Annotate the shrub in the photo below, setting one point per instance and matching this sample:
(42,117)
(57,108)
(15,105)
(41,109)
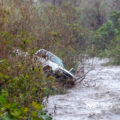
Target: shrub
(23,87)
(107,38)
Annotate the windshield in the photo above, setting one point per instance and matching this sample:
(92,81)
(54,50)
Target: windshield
(55,59)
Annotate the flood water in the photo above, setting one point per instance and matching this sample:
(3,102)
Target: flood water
(97,98)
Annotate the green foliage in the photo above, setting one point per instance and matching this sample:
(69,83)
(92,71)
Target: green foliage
(103,35)
(13,111)
(107,38)
(22,92)
(114,50)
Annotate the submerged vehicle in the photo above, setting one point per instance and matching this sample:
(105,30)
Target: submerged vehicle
(53,65)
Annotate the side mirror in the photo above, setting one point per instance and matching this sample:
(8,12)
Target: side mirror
(72,70)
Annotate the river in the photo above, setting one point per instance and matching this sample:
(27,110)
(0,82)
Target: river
(97,98)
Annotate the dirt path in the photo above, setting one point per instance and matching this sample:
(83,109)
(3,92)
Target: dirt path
(101,102)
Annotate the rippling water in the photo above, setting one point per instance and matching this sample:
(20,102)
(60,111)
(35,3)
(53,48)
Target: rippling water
(88,102)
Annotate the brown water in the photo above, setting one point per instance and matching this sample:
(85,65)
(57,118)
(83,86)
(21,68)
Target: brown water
(89,102)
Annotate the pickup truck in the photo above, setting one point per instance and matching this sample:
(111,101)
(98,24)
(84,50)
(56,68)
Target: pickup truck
(53,65)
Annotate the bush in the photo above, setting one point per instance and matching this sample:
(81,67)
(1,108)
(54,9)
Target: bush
(23,87)
(107,38)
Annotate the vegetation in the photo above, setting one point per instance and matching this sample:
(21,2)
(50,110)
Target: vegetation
(107,38)
(66,28)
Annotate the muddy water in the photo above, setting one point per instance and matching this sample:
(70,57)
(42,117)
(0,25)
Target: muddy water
(98,99)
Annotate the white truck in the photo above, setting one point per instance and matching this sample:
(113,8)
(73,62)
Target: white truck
(53,65)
